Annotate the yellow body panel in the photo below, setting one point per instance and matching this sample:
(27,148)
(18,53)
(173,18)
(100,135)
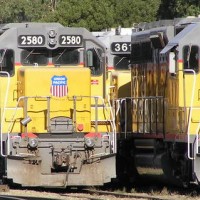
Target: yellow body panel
(8,105)
(189,99)
(119,88)
(121,83)
(181,96)
(37,82)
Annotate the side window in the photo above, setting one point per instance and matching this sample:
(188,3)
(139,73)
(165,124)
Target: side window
(7,61)
(94,61)
(191,58)
(33,57)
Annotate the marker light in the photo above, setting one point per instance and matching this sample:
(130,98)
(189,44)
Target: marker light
(33,142)
(89,142)
(80,127)
(52,33)
(52,41)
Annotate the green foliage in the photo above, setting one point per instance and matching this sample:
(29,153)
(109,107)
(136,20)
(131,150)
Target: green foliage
(22,10)
(96,15)
(178,8)
(128,12)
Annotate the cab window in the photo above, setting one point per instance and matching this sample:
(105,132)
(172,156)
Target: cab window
(94,61)
(121,63)
(191,58)
(7,61)
(34,57)
(66,56)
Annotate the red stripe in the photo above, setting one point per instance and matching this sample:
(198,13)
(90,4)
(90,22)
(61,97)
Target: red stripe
(59,90)
(110,68)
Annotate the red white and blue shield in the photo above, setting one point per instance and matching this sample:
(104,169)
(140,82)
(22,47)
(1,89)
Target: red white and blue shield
(59,86)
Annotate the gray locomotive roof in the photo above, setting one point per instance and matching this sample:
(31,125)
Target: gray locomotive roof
(167,22)
(28,25)
(10,32)
(156,24)
(179,37)
(145,35)
(42,26)
(108,37)
(32,26)
(112,32)
(188,20)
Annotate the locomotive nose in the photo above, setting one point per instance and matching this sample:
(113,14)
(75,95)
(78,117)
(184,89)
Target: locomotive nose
(57,98)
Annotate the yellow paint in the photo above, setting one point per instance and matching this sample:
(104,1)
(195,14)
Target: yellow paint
(36,82)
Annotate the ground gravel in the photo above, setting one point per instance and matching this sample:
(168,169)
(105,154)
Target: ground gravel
(47,195)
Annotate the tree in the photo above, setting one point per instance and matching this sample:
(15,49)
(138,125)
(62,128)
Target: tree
(96,15)
(128,12)
(178,8)
(22,10)
(93,15)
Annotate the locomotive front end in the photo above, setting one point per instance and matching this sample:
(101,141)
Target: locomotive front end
(55,127)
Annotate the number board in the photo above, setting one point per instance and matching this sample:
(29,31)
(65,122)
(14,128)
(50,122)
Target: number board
(121,47)
(31,40)
(71,40)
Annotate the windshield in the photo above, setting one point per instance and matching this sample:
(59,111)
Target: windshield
(61,56)
(34,56)
(121,63)
(65,56)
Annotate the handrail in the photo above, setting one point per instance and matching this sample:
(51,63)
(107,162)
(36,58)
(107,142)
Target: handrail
(110,112)
(191,109)
(3,114)
(112,121)
(14,114)
(197,136)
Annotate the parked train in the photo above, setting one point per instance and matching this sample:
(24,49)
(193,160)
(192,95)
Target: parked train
(67,117)
(57,127)
(118,43)
(165,103)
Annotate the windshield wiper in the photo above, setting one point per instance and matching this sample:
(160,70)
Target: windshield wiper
(120,60)
(61,55)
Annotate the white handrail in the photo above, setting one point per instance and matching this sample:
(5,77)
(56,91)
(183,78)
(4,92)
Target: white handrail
(3,114)
(190,113)
(197,137)
(111,122)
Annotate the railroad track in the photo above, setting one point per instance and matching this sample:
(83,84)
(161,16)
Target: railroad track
(100,195)
(127,195)
(86,194)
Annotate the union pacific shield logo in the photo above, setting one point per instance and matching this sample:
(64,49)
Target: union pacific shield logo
(59,86)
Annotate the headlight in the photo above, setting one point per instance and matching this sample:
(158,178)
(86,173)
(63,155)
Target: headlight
(89,142)
(33,142)
(52,33)
(52,41)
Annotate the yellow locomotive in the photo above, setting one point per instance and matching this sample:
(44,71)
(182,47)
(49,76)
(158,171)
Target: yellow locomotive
(118,43)
(57,128)
(164,138)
